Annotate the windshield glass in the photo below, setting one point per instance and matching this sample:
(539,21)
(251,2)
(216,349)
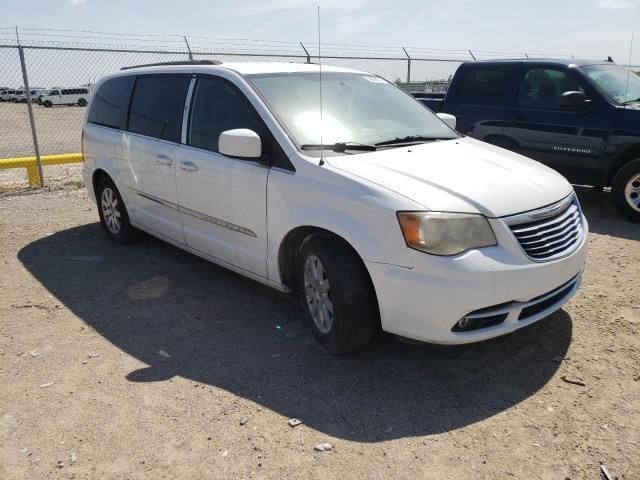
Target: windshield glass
(357,108)
(613,80)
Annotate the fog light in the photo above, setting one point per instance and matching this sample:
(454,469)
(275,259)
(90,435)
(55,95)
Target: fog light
(462,324)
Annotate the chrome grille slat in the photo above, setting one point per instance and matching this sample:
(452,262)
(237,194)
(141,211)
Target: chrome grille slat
(549,238)
(570,227)
(550,243)
(550,251)
(528,227)
(572,218)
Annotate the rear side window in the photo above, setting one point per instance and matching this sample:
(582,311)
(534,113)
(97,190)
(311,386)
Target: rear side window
(110,103)
(218,106)
(483,86)
(157,106)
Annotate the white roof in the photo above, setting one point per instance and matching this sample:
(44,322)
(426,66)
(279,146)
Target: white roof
(243,68)
(248,68)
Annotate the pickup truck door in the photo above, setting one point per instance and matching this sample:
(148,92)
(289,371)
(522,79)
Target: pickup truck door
(223,199)
(479,100)
(568,141)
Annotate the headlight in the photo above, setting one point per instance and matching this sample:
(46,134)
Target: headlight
(445,233)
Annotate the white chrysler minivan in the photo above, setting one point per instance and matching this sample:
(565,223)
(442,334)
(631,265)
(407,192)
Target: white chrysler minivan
(371,209)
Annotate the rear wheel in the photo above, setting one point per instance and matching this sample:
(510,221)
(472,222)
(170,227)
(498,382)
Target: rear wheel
(626,190)
(336,293)
(113,213)
(82,102)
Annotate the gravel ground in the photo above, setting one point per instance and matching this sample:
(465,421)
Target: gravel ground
(146,362)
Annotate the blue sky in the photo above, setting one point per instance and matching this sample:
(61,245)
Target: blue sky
(593,28)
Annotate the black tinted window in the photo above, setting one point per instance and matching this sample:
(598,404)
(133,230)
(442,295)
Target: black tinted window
(542,87)
(483,86)
(218,106)
(110,103)
(157,106)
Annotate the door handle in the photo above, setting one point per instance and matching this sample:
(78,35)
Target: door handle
(188,166)
(163,159)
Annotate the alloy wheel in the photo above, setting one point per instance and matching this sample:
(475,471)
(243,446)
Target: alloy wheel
(318,294)
(111,210)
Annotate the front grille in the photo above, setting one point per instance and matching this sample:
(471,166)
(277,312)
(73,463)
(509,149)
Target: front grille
(551,237)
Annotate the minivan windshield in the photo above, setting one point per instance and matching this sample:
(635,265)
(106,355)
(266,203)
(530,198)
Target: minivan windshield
(357,109)
(613,80)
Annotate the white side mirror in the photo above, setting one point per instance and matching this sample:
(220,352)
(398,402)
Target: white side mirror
(240,142)
(448,119)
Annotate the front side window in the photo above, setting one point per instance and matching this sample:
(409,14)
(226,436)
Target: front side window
(483,86)
(618,84)
(356,107)
(542,88)
(218,106)
(110,103)
(157,106)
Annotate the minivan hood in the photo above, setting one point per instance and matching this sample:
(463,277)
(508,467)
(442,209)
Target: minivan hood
(461,175)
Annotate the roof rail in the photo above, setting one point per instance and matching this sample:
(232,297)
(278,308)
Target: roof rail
(186,62)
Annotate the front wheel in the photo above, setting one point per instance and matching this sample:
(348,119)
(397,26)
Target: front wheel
(626,190)
(47,103)
(336,293)
(113,213)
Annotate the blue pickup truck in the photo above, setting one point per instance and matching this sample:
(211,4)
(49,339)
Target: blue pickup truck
(580,118)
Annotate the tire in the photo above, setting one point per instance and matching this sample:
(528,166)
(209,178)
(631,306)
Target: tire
(351,317)
(113,213)
(626,190)
(82,102)
(47,103)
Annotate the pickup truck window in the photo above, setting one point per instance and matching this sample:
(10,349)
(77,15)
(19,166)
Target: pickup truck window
(542,87)
(613,81)
(483,86)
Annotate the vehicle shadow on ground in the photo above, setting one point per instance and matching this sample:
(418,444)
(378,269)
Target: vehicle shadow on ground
(219,329)
(602,215)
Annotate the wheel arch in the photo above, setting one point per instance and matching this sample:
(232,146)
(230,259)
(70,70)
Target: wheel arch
(626,156)
(292,243)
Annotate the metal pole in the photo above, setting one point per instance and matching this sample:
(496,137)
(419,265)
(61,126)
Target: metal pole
(188,48)
(32,121)
(408,65)
(306,52)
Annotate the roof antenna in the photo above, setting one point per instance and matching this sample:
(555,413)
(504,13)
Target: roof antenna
(626,90)
(320,69)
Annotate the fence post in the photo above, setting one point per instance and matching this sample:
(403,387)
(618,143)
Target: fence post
(306,52)
(27,91)
(408,65)
(188,48)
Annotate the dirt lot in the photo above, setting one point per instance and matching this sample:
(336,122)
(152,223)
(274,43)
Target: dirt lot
(58,129)
(146,362)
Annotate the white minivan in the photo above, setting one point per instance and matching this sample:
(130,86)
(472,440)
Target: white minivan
(359,200)
(66,96)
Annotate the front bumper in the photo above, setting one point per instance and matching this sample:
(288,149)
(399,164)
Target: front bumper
(426,301)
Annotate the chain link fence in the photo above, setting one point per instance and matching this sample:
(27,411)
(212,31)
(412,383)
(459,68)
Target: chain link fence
(61,59)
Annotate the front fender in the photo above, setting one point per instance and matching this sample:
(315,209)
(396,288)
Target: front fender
(363,218)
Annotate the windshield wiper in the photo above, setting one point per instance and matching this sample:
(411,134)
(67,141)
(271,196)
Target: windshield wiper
(410,140)
(340,147)
(637,100)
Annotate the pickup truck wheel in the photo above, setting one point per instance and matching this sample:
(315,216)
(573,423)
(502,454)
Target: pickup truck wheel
(336,293)
(626,190)
(113,213)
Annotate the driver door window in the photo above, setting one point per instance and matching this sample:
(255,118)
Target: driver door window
(542,88)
